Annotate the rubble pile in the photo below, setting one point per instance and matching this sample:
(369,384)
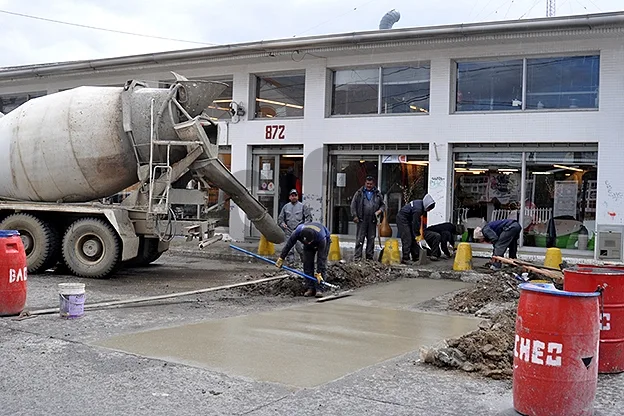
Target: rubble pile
(492,294)
(487,350)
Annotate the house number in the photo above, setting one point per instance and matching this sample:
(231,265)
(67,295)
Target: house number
(275,131)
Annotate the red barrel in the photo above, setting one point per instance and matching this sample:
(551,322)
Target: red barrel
(555,367)
(13,273)
(611,280)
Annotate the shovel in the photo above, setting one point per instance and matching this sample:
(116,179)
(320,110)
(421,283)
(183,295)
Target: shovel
(300,274)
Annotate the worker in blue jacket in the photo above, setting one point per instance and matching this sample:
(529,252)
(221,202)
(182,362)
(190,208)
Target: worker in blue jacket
(503,234)
(316,241)
(409,224)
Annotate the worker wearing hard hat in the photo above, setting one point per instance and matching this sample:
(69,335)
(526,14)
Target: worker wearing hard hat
(316,241)
(503,234)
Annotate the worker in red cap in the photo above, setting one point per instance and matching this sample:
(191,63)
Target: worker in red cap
(316,241)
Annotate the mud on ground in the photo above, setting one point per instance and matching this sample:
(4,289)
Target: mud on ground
(345,275)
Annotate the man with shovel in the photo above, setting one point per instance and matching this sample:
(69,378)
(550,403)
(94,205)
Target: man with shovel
(316,241)
(409,221)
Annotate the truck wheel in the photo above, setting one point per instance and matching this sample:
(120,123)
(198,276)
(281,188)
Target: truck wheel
(148,252)
(91,248)
(41,241)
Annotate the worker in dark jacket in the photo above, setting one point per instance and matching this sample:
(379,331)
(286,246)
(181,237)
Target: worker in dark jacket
(409,223)
(447,232)
(503,234)
(316,240)
(367,207)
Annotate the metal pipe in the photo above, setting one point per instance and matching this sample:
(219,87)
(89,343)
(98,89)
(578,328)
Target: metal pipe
(324,41)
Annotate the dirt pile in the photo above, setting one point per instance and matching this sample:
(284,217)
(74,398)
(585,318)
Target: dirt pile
(488,350)
(345,275)
(492,294)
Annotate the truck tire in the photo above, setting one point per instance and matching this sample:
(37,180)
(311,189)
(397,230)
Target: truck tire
(91,248)
(148,253)
(41,240)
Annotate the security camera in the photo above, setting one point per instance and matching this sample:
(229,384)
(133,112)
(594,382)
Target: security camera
(236,109)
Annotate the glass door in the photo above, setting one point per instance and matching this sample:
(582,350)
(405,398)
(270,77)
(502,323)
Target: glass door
(265,184)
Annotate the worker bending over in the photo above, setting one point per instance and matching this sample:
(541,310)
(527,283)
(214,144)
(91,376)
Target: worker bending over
(447,232)
(316,240)
(503,234)
(409,223)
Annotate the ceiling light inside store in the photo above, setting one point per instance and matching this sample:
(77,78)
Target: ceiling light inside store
(541,173)
(569,168)
(459,162)
(417,162)
(292,155)
(508,170)
(262,100)
(416,108)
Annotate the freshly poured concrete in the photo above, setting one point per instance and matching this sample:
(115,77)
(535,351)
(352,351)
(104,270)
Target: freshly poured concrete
(308,345)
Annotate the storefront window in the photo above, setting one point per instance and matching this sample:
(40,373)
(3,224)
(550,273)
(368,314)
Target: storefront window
(403,179)
(348,175)
(560,205)
(489,86)
(559,208)
(280,95)
(487,186)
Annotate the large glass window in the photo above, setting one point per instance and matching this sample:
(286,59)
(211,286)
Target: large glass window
(559,207)
(11,102)
(403,179)
(550,83)
(280,95)
(566,82)
(491,85)
(381,90)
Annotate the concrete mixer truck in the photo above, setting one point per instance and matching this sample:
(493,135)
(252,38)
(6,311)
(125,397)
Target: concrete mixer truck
(61,154)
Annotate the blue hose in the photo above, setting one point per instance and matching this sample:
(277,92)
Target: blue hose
(295,271)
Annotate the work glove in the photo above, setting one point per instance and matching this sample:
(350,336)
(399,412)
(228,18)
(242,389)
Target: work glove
(423,244)
(319,278)
(279,262)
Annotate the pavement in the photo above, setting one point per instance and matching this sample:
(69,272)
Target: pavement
(53,366)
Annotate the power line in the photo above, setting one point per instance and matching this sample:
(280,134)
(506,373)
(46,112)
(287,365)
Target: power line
(102,29)
(334,18)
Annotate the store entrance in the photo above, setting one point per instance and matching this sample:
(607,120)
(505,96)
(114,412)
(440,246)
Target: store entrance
(276,171)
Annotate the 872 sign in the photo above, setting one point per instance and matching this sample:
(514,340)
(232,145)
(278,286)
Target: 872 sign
(275,131)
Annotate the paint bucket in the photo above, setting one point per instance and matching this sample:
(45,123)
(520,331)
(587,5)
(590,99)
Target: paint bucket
(71,298)
(611,280)
(556,344)
(13,272)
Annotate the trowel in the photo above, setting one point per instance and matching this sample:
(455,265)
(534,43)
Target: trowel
(335,288)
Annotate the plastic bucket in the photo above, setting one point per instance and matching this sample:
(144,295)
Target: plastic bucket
(555,365)
(611,280)
(13,273)
(71,299)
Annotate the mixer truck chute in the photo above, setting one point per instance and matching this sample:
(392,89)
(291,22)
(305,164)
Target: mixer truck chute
(61,153)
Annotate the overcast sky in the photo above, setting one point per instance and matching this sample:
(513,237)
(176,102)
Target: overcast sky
(28,41)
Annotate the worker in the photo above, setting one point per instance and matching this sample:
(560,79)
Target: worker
(447,231)
(367,206)
(316,240)
(409,224)
(503,234)
(291,216)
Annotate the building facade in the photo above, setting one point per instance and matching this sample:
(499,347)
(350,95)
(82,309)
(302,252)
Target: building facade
(499,120)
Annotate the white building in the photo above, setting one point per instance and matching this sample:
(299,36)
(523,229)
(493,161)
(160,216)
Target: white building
(488,118)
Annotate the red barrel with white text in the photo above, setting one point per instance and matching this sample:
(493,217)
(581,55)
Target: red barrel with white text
(611,280)
(555,365)
(13,273)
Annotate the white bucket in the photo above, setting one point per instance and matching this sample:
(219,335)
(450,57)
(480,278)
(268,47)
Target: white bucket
(71,299)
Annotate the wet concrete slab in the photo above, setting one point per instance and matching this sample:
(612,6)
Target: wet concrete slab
(309,345)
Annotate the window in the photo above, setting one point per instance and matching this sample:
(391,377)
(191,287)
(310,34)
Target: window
(11,102)
(488,86)
(566,82)
(559,201)
(280,95)
(382,90)
(550,83)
